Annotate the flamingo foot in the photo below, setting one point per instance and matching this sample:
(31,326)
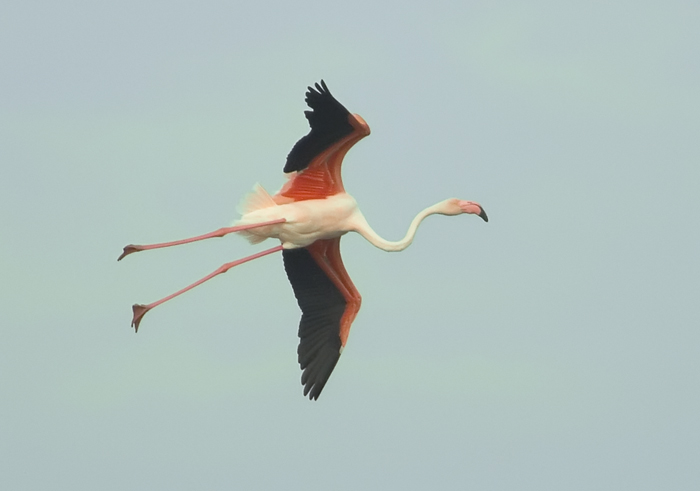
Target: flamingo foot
(128,250)
(139,311)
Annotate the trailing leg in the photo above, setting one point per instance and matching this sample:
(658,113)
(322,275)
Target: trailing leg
(131,248)
(140,310)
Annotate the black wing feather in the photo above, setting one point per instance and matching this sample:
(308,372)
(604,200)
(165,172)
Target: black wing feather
(329,123)
(322,306)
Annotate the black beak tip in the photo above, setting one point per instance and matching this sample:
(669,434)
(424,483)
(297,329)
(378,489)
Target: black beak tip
(483,215)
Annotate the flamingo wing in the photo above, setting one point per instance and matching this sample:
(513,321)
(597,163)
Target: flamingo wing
(329,124)
(329,303)
(314,162)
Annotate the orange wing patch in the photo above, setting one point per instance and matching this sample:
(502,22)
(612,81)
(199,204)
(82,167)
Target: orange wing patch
(314,182)
(322,177)
(326,253)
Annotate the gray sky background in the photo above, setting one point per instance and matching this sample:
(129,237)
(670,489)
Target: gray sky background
(555,347)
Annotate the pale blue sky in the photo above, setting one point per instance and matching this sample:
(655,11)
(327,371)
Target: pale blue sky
(555,347)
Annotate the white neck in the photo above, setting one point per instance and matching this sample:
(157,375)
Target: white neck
(363,228)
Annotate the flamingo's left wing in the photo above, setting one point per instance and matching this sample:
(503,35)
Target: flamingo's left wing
(328,302)
(316,159)
(329,124)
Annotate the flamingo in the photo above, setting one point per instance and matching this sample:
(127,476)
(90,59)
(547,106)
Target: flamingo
(308,216)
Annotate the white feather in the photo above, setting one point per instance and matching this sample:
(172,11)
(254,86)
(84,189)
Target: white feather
(257,199)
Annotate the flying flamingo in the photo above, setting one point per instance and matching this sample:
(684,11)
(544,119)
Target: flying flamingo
(308,216)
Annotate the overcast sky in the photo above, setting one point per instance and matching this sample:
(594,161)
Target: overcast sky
(555,347)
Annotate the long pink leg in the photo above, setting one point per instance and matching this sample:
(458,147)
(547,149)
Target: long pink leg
(216,233)
(140,309)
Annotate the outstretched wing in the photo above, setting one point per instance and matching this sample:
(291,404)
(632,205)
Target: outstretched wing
(329,123)
(329,303)
(315,160)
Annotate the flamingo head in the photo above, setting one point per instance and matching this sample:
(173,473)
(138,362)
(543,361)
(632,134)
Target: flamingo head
(457,207)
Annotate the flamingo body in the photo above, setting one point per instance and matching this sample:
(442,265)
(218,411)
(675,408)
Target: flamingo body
(305,222)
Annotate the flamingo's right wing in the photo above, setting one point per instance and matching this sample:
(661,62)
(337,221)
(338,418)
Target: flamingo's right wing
(329,303)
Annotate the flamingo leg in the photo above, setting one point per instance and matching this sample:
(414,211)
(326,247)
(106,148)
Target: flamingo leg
(140,309)
(216,233)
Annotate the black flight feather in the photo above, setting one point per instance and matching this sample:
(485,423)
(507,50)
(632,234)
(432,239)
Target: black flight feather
(322,306)
(329,123)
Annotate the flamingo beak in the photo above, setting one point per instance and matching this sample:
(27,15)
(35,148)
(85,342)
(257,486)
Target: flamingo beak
(473,208)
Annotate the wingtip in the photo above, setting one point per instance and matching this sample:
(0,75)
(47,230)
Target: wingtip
(318,88)
(312,391)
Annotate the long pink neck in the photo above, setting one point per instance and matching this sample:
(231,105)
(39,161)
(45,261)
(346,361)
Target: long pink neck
(363,228)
